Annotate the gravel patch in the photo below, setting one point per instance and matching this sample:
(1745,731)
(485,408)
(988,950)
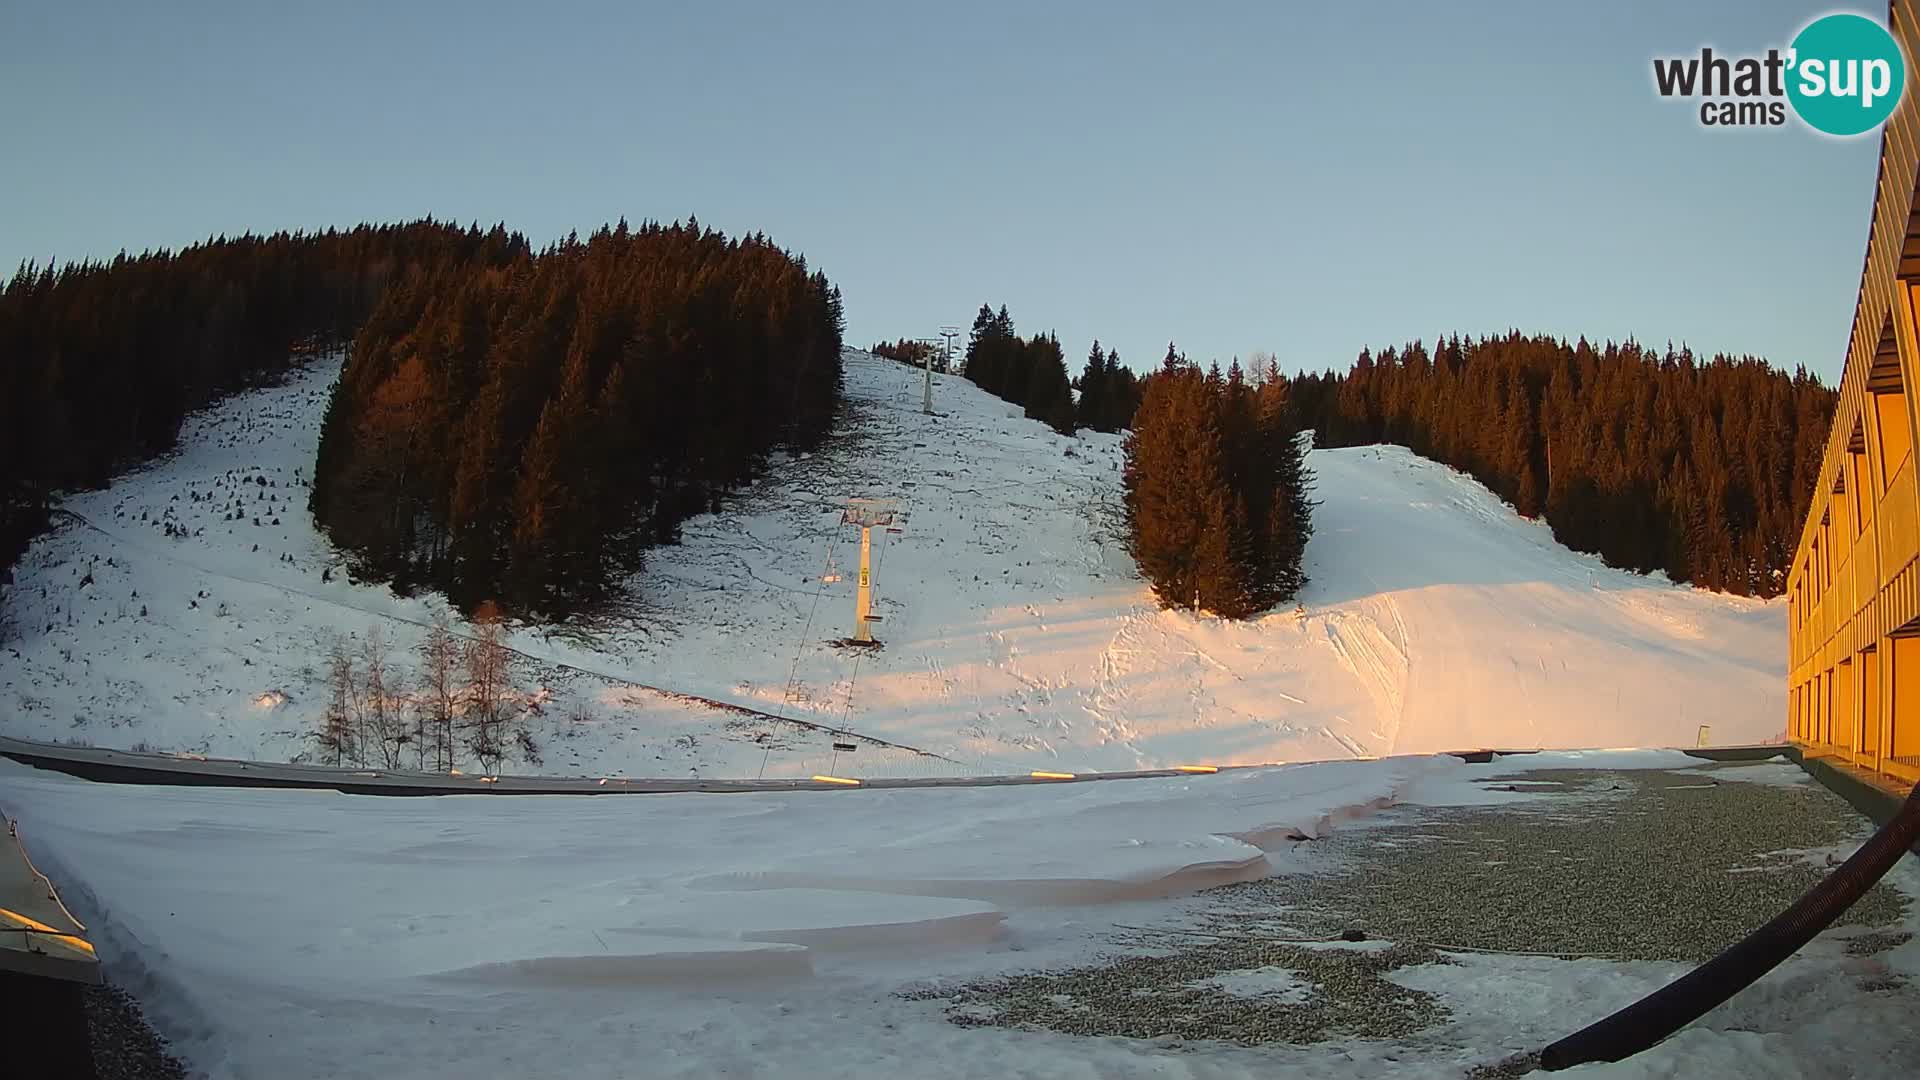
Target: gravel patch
(1176,996)
(124,1047)
(1621,865)
(1509,1069)
(1876,942)
(1629,866)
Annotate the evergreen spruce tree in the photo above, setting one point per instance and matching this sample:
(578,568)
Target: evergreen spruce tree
(982,330)
(1289,522)
(1093,409)
(1049,396)
(1164,525)
(1123,394)
(1216,493)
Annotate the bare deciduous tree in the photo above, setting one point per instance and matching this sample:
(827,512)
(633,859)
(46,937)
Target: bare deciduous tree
(488,680)
(384,728)
(440,695)
(529,749)
(1262,368)
(337,734)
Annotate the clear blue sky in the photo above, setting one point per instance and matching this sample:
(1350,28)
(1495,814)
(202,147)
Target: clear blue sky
(1232,176)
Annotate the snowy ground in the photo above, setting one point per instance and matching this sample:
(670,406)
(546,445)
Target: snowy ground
(187,607)
(292,934)
(184,608)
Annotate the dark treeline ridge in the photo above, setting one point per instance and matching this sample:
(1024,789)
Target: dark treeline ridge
(1653,460)
(521,431)
(1217,491)
(1032,373)
(1109,393)
(911,352)
(100,361)
(1029,372)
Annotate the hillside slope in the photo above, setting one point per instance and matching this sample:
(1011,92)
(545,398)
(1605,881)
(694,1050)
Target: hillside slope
(1016,632)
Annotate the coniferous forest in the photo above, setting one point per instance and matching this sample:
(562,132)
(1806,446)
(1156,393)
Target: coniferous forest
(1217,490)
(511,425)
(912,353)
(522,431)
(519,426)
(100,361)
(1654,460)
(1029,372)
(1109,393)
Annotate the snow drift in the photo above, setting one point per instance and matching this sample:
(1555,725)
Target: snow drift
(239,915)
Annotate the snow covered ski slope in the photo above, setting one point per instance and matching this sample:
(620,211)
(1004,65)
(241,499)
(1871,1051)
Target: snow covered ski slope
(187,607)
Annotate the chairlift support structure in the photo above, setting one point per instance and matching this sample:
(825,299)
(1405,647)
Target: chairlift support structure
(947,334)
(867,514)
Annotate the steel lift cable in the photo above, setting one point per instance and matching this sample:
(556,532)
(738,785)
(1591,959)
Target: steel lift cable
(806,634)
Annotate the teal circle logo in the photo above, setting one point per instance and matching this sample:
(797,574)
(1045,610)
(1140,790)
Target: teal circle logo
(1845,74)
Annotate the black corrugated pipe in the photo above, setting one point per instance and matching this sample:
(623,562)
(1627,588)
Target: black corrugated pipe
(1686,999)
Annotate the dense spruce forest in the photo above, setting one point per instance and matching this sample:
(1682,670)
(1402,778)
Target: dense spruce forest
(519,426)
(1029,372)
(100,361)
(912,353)
(1655,460)
(1109,392)
(511,425)
(1032,373)
(522,431)
(1216,488)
